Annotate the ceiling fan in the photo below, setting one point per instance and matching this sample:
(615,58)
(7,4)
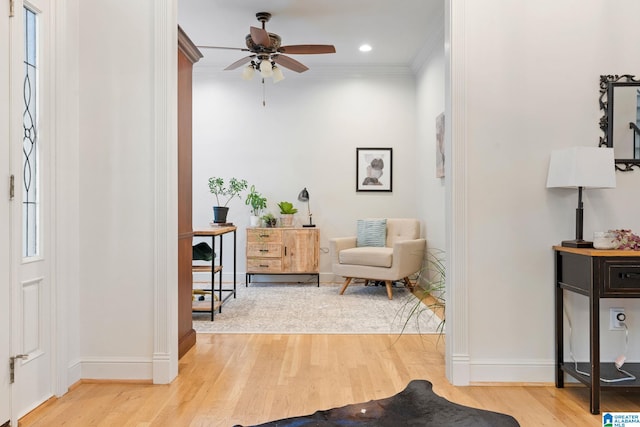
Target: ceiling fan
(267,51)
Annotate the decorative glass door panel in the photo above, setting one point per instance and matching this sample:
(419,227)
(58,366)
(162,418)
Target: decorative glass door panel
(30,175)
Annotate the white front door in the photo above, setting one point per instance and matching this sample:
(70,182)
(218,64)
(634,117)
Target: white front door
(5,228)
(30,145)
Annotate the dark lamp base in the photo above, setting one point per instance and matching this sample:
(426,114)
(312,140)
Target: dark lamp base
(308,225)
(577,244)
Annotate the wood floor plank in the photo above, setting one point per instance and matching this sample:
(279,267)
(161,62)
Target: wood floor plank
(249,379)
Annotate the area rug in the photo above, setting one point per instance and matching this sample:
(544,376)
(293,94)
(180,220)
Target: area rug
(417,405)
(291,308)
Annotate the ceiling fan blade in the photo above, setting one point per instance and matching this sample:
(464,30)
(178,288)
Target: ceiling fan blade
(260,36)
(289,63)
(240,62)
(301,49)
(244,49)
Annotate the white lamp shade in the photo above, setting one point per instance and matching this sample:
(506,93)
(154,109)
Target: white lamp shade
(277,74)
(265,68)
(247,73)
(587,167)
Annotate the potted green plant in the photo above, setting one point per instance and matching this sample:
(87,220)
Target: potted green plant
(287,211)
(269,220)
(258,203)
(225,193)
(429,290)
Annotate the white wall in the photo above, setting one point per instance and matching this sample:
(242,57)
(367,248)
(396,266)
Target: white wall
(305,136)
(430,103)
(116,190)
(532,74)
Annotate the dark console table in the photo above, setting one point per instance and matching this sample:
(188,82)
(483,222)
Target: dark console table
(596,274)
(216,300)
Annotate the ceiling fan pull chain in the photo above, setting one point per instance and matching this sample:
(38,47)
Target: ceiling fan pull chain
(264,91)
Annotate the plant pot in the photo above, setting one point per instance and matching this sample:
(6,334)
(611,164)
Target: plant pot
(270,223)
(220,214)
(254,220)
(286,220)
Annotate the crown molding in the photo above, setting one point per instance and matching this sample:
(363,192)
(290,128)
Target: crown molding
(186,46)
(433,42)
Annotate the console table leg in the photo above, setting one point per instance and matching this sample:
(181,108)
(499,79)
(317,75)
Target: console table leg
(559,338)
(594,315)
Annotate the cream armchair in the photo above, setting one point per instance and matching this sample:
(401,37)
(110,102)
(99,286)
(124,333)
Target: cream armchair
(396,258)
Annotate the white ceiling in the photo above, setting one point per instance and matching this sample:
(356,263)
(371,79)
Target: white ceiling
(398,30)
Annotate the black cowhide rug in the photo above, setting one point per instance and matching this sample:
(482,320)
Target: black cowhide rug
(416,405)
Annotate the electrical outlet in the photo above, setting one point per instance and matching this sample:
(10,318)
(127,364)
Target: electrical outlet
(615,324)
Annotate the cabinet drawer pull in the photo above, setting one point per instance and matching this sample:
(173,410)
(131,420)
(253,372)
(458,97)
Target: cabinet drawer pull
(265,266)
(629,275)
(264,235)
(264,250)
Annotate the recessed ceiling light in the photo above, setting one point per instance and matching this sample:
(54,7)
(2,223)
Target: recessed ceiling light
(365,48)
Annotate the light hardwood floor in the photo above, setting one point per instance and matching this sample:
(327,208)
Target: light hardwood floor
(248,379)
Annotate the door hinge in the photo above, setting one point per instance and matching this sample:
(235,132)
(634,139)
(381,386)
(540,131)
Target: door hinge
(12,366)
(12,187)
(11,8)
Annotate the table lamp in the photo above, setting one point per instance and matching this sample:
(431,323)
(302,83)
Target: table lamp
(304,197)
(581,167)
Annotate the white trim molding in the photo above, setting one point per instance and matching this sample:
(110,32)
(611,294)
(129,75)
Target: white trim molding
(434,42)
(65,194)
(457,325)
(541,371)
(120,368)
(164,107)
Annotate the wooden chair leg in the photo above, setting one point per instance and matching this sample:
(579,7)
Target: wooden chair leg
(366,282)
(344,287)
(389,290)
(408,283)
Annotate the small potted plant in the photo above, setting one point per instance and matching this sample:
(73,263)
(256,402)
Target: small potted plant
(258,203)
(287,211)
(224,193)
(269,220)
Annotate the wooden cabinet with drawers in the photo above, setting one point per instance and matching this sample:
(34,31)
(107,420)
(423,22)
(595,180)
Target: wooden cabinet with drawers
(596,274)
(283,251)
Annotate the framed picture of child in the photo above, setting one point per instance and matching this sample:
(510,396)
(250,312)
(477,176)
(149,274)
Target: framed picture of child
(374,169)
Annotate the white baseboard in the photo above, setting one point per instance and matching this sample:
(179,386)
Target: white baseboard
(117,368)
(163,370)
(458,370)
(74,373)
(512,371)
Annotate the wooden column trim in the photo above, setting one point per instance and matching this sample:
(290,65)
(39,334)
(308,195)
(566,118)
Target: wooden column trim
(186,46)
(187,55)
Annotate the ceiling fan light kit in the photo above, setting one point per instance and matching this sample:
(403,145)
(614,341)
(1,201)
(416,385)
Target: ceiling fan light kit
(277,75)
(248,72)
(266,69)
(267,51)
